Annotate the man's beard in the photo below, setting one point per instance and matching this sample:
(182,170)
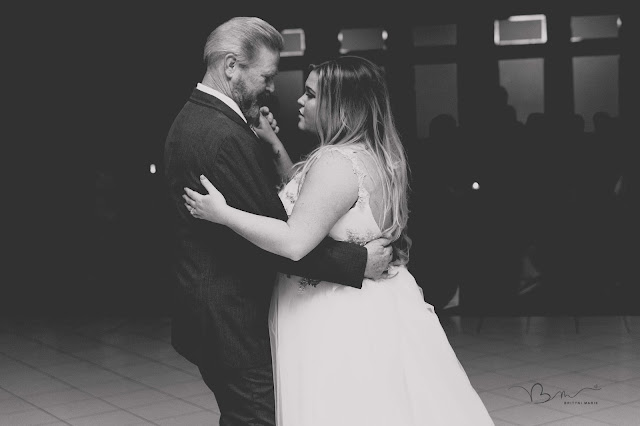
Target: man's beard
(249,103)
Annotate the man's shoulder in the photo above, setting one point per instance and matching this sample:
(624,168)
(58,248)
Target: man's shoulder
(203,114)
(195,119)
(201,131)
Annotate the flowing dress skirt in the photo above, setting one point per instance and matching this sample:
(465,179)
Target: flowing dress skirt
(375,356)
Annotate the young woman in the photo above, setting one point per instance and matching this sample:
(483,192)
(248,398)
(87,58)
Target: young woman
(342,355)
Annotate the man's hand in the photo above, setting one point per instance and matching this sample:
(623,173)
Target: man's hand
(379,255)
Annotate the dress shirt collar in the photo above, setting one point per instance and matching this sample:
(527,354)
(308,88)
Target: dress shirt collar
(224,98)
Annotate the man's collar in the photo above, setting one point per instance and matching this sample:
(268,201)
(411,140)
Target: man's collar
(224,98)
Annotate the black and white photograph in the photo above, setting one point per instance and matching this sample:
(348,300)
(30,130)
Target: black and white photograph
(321,214)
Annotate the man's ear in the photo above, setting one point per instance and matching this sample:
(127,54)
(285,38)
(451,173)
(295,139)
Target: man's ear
(230,64)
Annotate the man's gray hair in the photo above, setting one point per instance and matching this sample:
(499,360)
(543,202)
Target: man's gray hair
(243,36)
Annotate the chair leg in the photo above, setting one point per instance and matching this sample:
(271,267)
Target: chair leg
(576,322)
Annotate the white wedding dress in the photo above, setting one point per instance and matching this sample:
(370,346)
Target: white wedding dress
(375,356)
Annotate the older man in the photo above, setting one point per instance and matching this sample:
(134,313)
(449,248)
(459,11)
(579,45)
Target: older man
(223,283)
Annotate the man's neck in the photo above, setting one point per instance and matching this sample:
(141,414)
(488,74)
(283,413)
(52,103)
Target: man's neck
(223,87)
(224,98)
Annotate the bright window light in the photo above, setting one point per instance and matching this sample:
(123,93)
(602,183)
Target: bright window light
(595,27)
(520,29)
(361,39)
(294,44)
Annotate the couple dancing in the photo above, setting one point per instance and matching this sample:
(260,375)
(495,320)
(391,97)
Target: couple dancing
(344,334)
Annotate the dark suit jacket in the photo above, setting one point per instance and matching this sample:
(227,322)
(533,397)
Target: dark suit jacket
(222,282)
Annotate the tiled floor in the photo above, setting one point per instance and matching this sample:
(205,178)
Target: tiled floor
(565,371)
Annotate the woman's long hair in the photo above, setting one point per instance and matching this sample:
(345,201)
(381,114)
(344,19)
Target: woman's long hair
(353,108)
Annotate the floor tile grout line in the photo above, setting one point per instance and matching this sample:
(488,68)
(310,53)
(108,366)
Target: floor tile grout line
(104,343)
(114,372)
(33,405)
(615,404)
(571,415)
(116,408)
(105,367)
(75,332)
(579,416)
(493,390)
(520,403)
(111,371)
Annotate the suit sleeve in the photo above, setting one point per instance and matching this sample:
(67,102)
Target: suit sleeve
(245,183)
(333,261)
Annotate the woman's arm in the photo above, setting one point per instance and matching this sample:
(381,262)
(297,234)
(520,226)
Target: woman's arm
(267,132)
(329,190)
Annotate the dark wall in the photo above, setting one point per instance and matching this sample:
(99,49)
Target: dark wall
(103,83)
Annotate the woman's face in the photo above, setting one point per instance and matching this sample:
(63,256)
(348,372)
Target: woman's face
(307,115)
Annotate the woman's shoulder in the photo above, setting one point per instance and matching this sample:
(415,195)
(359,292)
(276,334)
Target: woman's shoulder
(355,155)
(363,161)
(335,161)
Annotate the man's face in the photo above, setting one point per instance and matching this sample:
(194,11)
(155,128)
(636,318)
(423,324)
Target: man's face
(253,84)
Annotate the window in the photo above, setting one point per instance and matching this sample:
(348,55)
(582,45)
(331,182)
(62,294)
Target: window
(523,80)
(590,27)
(435,35)
(522,29)
(293,42)
(360,39)
(436,88)
(595,86)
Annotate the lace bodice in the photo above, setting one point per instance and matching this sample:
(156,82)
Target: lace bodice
(358,224)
